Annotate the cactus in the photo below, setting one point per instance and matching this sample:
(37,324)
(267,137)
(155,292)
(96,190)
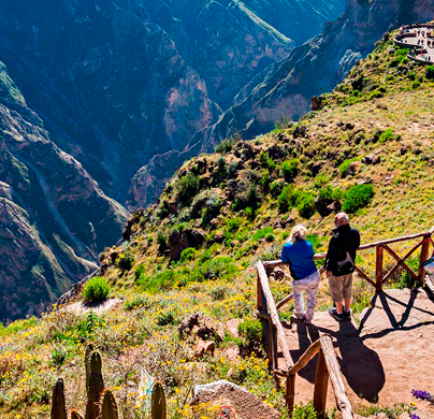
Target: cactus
(58,408)
(75,414)
(109,407)
(87,356)
(96,387)
(158,402)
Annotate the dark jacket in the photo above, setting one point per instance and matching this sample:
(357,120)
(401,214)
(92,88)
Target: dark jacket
(345,239)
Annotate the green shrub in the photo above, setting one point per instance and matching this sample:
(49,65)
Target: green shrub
(139,271)
(250,213)
(125,261)
(187,254)
(58,357)
(321,180)
(163,280)
(304,412)
(96,289)
(224,147)
(212,209)
(290,169)
(137,301)
(250,331)
(163,210)
(358,197)
(262,233)
(250,198)
(330,194)
(387,135)
(286,199)
(219,293)
(262,159)
(265,180)
(276,188)
(270,237)
(271,164)
(233,224)
(306,204)
(429,72)
(232,169)
(343,168)
(167,317)
(187,187)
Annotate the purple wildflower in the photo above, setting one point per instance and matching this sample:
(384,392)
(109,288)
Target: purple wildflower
(422,395)
(414,416)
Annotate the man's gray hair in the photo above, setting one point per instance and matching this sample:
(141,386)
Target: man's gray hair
(342,219)
(297,233)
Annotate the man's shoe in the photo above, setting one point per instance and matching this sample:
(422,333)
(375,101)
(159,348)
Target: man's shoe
(339,317)
(348,314)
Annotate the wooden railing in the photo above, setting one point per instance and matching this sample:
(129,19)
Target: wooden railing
(328,367)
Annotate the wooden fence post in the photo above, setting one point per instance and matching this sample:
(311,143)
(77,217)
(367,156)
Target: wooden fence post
(321,386)
(290,393)
(379,269)
(423,257)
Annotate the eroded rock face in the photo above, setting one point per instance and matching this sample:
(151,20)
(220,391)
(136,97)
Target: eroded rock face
(54,218)
(181,240)
(286,88)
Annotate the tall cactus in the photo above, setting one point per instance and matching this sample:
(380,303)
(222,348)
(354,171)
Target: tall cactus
(87,356)
(109,407)
(96,387)
(75,414)
(158,402)
(58,408)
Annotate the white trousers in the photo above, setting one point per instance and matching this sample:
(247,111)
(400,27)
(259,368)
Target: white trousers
(309,284)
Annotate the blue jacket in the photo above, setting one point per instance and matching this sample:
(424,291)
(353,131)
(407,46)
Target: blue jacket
(300,258)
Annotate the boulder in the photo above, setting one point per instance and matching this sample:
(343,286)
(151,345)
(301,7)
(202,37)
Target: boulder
(316,103)
(225,394)
(203,347)
(371,159)
(181,240)
(354,168)
(201,326)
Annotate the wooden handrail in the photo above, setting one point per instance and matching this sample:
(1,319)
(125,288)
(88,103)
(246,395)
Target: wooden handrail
(342,402)
(274,316)
(320,256)
(306,357)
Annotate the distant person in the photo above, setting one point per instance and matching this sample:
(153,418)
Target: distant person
(340,266)
(298,254)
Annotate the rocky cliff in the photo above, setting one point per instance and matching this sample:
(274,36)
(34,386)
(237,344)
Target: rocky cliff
(91,92)
(283,90)
(54,217)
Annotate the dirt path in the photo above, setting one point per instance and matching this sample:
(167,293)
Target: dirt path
(383,359)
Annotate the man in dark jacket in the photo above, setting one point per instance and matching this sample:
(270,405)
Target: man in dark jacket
(340,266)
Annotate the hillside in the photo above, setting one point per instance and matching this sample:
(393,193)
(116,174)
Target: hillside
(368,150)
(91,92)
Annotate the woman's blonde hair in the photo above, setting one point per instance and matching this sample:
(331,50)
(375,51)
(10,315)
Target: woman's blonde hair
(297,233)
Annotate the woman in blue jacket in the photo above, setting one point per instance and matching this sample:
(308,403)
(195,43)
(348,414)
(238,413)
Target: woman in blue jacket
(298,253)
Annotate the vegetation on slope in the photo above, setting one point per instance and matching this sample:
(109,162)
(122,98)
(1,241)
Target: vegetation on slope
(370,153)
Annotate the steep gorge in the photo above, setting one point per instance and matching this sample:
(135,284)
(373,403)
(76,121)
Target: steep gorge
(92,91)
(284,89)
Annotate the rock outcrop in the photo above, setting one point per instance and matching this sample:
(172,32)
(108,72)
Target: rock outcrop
(181,240)
(242,403)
